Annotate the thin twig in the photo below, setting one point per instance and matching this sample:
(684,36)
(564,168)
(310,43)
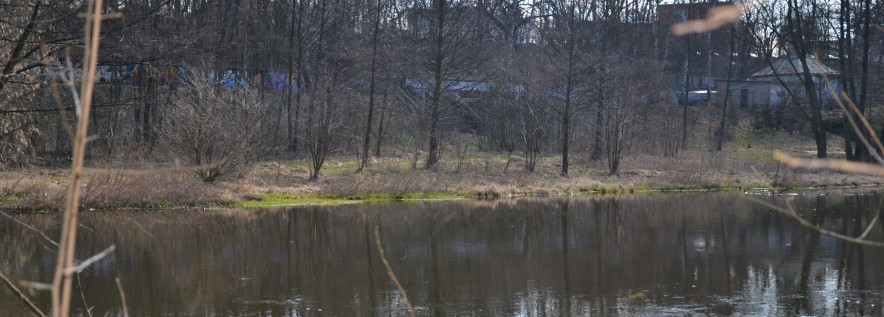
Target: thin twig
(122,297)
(36,286)
(859,133)
(83,296)
(21,296)
(30,228)
(89,261)
(874,220)
(791,213)
(377,239)
(868,126)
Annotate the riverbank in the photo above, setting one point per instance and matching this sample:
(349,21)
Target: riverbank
(478,176)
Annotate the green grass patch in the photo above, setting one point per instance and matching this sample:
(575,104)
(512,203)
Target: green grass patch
(278,200)
(9,199)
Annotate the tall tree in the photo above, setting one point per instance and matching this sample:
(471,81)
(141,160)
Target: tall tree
(448,50)
(376,29)
(567,35)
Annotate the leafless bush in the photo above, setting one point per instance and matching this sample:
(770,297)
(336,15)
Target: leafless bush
(326,111)
(149,190)
(462,144)
(213,127)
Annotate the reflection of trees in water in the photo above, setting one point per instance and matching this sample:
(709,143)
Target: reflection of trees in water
(534,257)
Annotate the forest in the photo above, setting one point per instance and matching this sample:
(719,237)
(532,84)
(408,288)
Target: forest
(220,85)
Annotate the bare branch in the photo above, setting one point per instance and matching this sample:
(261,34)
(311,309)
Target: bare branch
(122,297)
(839,165)
(89,261)
(21,296)
(30,228)
(791,213)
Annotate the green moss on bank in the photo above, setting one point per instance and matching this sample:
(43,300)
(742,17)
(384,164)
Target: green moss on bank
(9,199)
(279,200)
(319,199)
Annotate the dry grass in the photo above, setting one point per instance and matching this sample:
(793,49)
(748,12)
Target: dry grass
(114,190)
(479,176)
(746,162)
(44,190)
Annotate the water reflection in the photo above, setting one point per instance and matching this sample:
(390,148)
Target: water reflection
(692,254)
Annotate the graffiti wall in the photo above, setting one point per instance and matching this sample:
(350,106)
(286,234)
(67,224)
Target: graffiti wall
(165,75)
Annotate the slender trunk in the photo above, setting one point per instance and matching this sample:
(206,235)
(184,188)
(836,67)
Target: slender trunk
(727,91)
(798,41)
(288,88)
(863,153)
(303,82)
(597,139)
(380,136)
(371,86)
(566,129)
(569,89)
(844,46)
(438,61)
(687,86)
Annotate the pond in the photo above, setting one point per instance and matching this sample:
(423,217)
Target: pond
(641,255)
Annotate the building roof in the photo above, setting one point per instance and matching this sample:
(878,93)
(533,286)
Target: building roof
(791,66)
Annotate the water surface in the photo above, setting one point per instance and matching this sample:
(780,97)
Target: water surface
(679,254)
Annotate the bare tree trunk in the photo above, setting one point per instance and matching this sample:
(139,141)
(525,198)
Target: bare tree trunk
(687,85)
(862,153)
(380,136)
(569,90)
(797,34)
(303,81)
(371,86)
(719,143)
(597,139)
(438,60)
(288,88)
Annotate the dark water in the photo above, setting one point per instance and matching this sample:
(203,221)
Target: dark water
(690,254)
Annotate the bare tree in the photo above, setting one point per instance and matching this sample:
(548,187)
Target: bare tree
(325,120)
(797,26)
(213,128)
(567,40)
(447,49)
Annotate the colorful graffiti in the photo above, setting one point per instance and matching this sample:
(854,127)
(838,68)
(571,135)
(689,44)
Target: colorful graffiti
(143,74)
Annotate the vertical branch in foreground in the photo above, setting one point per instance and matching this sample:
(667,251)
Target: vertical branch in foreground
(377,240)
(61,281)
